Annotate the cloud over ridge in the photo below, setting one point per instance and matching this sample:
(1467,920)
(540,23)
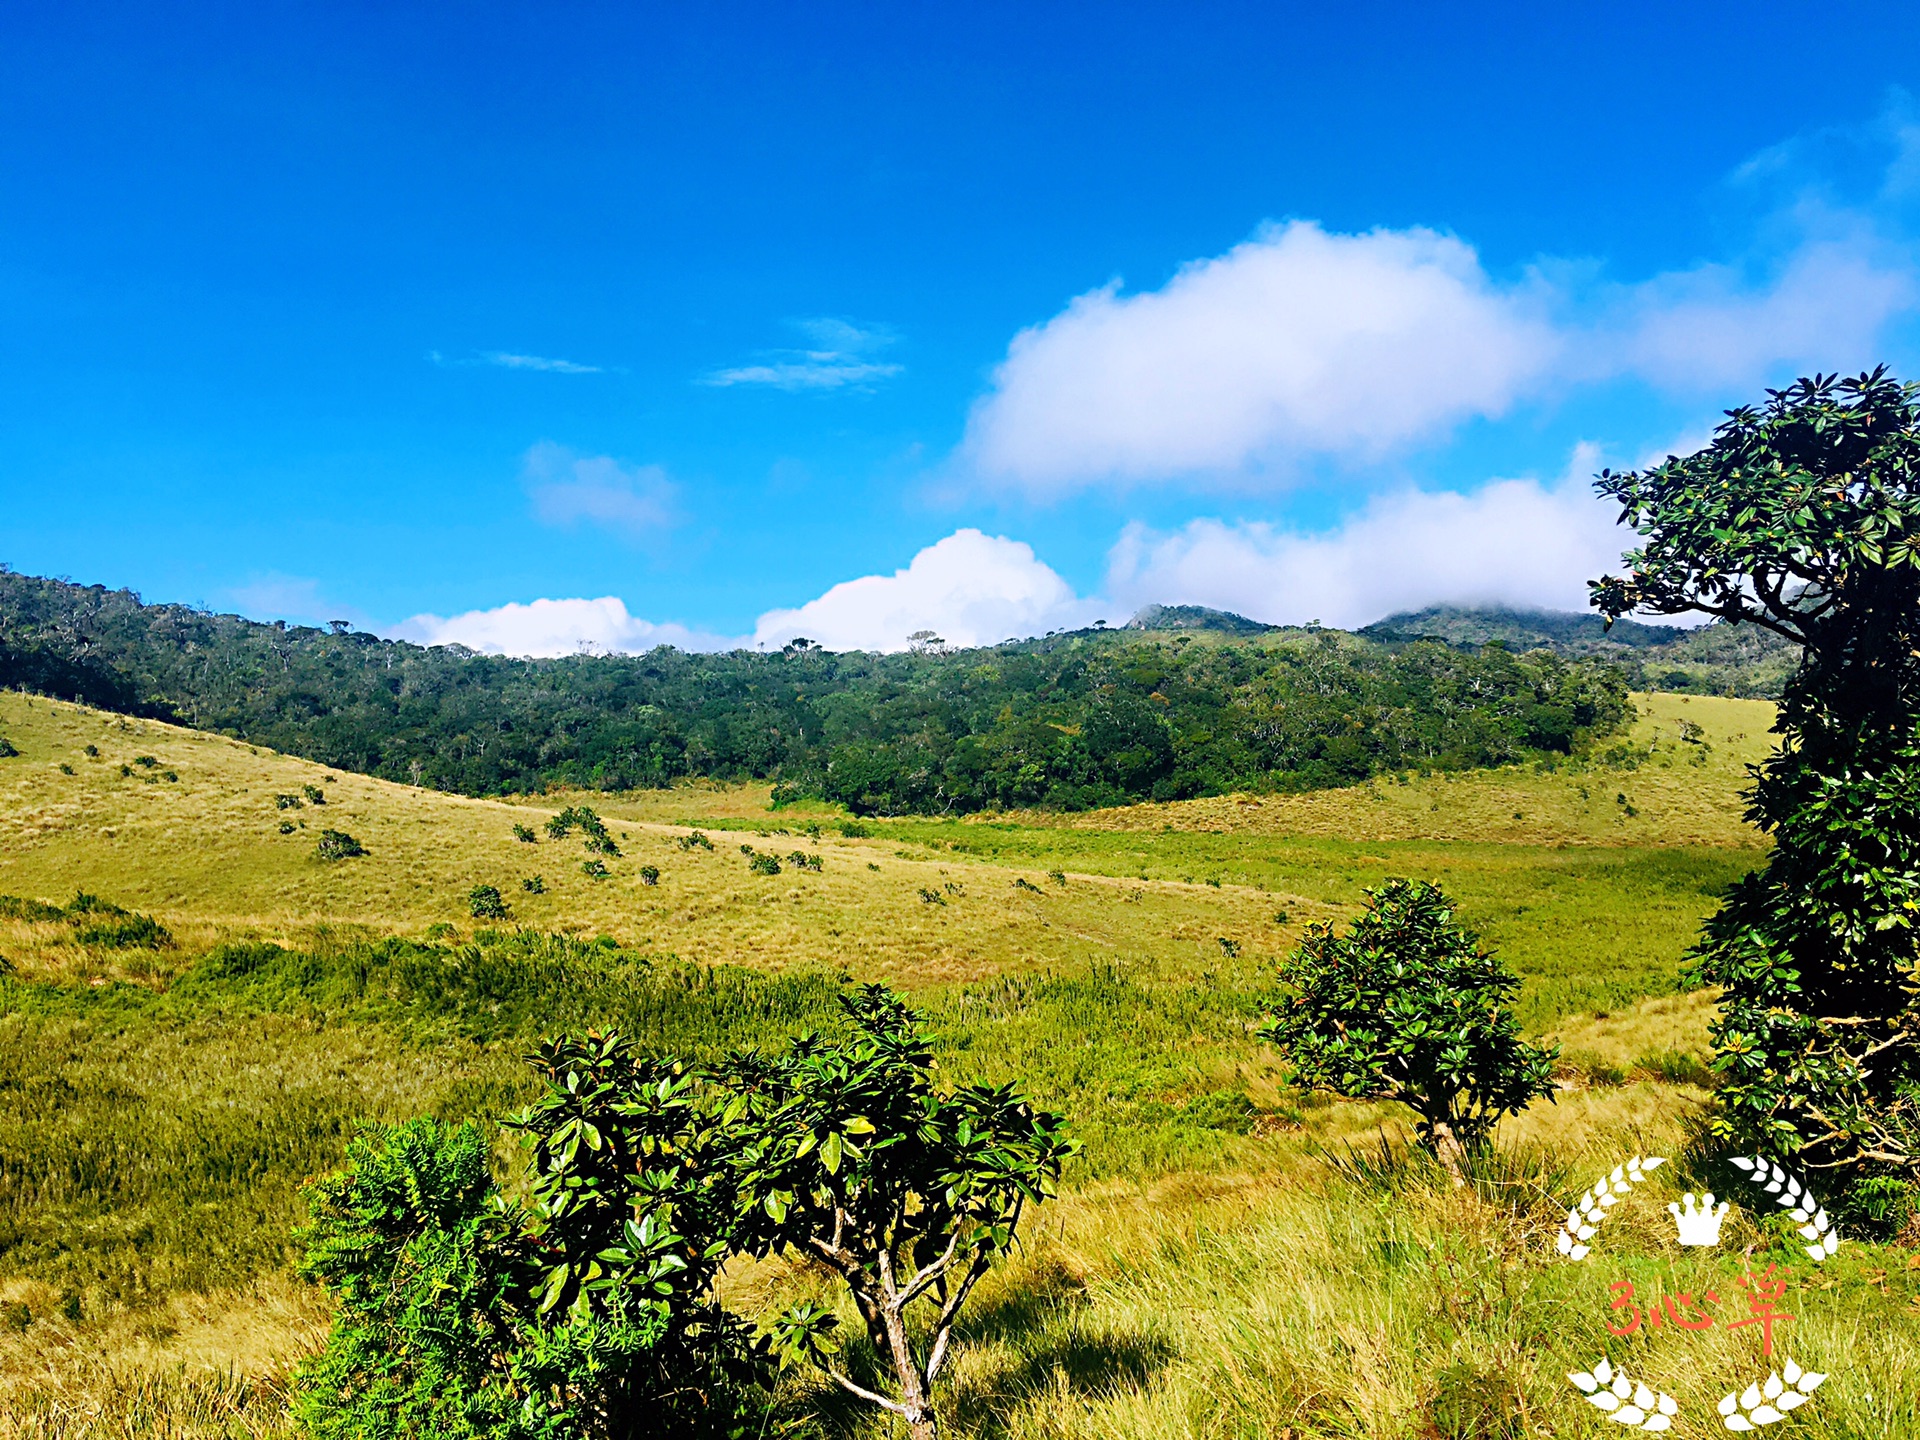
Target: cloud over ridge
(1303,345)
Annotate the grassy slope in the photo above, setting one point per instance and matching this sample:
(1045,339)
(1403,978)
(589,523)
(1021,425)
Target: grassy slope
(1206,1276)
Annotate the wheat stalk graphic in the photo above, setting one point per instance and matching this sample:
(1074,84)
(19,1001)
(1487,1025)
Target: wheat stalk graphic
(1625,1400)
(1769,1400)
(1586,1217)
(1793,1195)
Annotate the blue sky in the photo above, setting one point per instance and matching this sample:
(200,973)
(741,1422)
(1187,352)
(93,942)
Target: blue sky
(540,326)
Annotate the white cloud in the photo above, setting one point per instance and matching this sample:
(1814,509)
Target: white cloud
(537,362)
(1513,542)
(1302,344)
(567,489)
(1298,340)
(1706,329)
(555,627)
(508,360)
(839,356)
(970,589)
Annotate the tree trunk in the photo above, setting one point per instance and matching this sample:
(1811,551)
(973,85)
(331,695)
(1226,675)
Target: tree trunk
(1448,1150)
(915,1393)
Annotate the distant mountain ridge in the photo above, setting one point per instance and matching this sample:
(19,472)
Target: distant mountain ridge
(1718,659)
(1196,617)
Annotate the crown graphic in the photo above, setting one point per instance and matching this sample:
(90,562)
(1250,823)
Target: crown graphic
(1699,1222)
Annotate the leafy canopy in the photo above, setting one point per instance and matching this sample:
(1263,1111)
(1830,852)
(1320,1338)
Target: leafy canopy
(1803,517)
(850,1155)
(1406,1006)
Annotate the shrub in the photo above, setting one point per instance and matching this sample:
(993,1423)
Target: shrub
(534,885)
(1020,882)
(8,750)
(524,834)
(762,864)
(286,802)
(92,752)
(337,845)
(849,1156)
(931,897)
(1406,1006)
(286,827)
(695,841)
(125,932)
(125,771)
(649,874)
(855,830)
(484,903)
(595,869)
(800,860)
(585,1313)
(37,912)
(146,762)
(65,768)
(315,795)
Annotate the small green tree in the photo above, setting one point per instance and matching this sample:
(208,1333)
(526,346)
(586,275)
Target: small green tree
(1803,518)
(1406,1006)
(484,903)
(851,1156)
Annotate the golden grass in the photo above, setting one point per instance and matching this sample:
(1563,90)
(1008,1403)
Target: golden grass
(1682,793)
(204,855)
(1271,1297)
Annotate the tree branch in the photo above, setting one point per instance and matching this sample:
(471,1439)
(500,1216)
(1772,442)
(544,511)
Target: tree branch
(865,1394)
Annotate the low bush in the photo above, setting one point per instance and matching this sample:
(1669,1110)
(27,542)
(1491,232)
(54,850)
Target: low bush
(337,845)
(595,869)
(125,932)
(8,750)
(286,802)
(695,841)
(534,885)
(524,834)
(759,863)
(315,795)
(484,903)
(649,874)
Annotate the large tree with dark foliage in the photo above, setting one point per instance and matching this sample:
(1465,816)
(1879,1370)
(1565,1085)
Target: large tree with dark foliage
(1803,517)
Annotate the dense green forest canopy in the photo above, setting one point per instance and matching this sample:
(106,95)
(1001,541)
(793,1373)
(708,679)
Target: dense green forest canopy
(1096,717)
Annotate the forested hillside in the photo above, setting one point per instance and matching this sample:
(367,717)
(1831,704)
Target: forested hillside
(1071,721)
(1743,661)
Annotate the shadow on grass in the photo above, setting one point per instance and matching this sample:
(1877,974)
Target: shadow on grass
(1043,1337)
(1022,1342)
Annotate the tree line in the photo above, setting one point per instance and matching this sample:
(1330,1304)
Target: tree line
(1070,722)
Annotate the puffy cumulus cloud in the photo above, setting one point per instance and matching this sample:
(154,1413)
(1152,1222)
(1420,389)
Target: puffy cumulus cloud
(969,589)
(1304,345)
(569,489)
(554,627)
(1296,341)
(1513,542)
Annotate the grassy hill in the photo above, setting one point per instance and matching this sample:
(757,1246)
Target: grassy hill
(1232,1257)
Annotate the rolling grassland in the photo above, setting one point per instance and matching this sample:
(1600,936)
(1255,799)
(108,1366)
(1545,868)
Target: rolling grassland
(1231,1258)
